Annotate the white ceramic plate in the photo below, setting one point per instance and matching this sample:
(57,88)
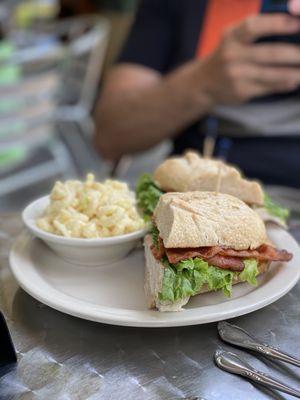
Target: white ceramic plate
(114,294)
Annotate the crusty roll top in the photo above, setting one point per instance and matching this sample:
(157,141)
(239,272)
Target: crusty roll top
(192,172)
(200,219)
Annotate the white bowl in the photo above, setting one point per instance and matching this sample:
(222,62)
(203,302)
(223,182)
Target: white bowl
(89,252)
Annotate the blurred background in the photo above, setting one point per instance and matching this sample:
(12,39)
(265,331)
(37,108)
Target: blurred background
(54,55)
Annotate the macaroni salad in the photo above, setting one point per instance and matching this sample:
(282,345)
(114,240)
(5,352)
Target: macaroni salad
(91,209)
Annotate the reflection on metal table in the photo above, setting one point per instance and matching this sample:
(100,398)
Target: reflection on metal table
(61,357)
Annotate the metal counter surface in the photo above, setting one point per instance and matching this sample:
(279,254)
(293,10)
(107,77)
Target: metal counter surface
(65,358)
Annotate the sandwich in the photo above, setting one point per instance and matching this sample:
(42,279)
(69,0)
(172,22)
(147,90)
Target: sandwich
(192,172)
(202,242)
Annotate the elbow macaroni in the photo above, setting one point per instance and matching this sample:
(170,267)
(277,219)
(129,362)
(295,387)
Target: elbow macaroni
(91,209)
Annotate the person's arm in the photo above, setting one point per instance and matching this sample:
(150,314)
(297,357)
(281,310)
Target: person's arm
(139,107)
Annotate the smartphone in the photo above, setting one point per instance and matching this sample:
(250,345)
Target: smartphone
(278,6)
(271,6)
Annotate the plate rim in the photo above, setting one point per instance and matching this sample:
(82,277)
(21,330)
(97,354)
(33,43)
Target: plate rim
(149,318)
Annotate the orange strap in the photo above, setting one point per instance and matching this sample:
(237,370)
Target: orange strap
(219,15)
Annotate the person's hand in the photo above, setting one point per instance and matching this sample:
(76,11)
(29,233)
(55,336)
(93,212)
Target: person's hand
(294,7)
(240,69)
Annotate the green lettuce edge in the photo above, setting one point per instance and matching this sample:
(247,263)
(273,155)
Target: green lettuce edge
(276,209)
(187,277)
(147,194)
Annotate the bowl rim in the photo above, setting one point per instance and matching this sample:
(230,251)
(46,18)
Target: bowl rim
(29,221)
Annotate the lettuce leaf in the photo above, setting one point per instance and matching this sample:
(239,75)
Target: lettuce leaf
(155,234)
(275,209)
(218,278)
(178,284)
(168,285)
(148,194)
(250,272)
(187,277)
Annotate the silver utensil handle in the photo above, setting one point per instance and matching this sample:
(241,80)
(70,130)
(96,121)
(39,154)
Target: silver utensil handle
(268,381)
(239,337)
(276,353)
(232,363)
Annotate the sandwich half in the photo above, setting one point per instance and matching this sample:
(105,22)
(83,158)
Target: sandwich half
(192,172)
(201,242)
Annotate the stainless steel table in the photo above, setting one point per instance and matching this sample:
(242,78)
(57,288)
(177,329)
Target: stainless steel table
(64,358)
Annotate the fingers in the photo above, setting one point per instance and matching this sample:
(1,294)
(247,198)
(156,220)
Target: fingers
(294,7)
(248,80)
(278,78)
(271,54)
(257,90)
(249,70)
(257,26)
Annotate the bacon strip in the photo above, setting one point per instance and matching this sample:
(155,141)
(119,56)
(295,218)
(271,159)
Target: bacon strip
(263,253)
(221,257)
(231,263)
(176,255)
(159,250)
(209,254)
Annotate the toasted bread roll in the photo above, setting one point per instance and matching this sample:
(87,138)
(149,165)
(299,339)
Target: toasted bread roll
(192,172)
(200,219)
